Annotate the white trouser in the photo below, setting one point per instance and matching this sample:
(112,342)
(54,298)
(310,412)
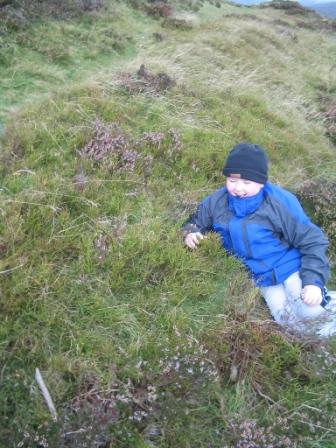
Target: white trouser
(285,303)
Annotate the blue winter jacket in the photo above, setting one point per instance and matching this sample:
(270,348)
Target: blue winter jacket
(269,232)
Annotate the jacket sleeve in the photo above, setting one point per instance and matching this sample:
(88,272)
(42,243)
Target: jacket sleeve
(201,220)
(302,234)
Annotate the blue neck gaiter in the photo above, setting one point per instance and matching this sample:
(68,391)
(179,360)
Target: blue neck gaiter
(245,206)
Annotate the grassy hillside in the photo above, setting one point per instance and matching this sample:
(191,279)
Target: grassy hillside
(115,124)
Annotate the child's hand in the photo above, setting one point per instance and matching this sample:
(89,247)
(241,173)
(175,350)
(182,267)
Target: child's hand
(192,239)
(311,295)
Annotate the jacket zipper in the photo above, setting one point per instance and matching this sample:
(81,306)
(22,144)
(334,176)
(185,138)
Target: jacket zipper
(245,239)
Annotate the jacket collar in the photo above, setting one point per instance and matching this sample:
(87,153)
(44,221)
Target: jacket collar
(245,206)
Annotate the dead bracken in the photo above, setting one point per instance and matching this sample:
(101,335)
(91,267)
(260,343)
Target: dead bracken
(146,82)
(161,81)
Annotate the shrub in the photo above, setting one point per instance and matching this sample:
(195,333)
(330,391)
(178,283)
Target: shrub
(327,105)
(318,198)
(330,121)
(290,7)
(15,14)
(247,434)
(111,141)
(180,24)
(12,18)
(256,352)
(146,82)
(159,9)
(120,152)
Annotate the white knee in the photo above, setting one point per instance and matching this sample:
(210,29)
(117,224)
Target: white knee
(275,298)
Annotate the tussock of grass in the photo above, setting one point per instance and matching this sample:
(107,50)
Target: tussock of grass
(150,344)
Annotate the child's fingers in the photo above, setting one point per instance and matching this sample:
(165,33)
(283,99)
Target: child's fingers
(198,236)
(312,301)
(192,239)
(190,243)
(311,295)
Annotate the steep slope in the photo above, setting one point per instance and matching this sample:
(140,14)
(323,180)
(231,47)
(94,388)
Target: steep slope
(140,342)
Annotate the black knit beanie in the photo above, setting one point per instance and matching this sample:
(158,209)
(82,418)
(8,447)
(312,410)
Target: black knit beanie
(247,161)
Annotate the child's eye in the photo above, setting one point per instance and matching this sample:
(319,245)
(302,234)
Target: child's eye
(246,182)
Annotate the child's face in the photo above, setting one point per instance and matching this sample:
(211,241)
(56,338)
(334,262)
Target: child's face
(242,188)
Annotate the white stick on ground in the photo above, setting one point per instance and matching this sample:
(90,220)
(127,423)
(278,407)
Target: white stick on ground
(46,394)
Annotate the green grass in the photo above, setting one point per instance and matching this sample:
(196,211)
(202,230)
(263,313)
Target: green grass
(147,342)
(51,53)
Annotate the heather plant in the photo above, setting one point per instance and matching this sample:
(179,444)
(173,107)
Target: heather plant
(110,142)
(159,9)
(318,196)
(119,152)
(249,435)
(243,350)
(17,14)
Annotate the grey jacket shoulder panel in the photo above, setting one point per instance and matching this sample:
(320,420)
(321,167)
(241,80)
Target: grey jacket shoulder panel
(295,227)
(207,211)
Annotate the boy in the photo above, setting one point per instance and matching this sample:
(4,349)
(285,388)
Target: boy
(266,228)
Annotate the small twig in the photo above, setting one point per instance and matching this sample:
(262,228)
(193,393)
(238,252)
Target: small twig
(11,269)
(79,431)
(269,399)
(12,201)
(46,394)
(331,431)
(303,405)
(24,171)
